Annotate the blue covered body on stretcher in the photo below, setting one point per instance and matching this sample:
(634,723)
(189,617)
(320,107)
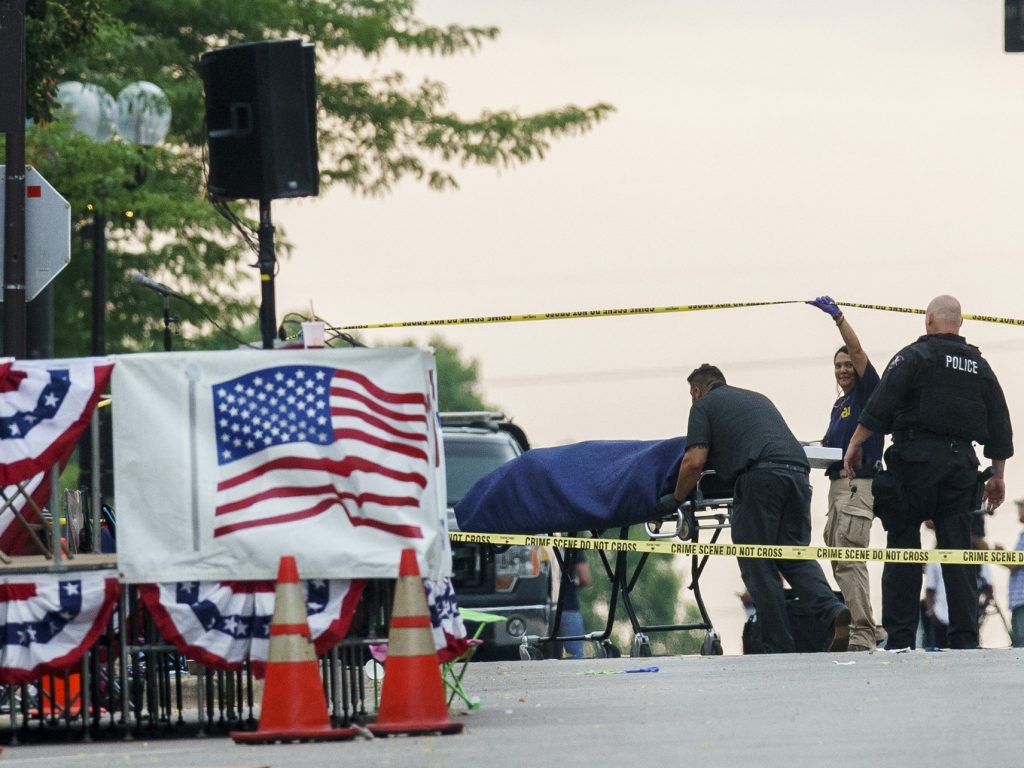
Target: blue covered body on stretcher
(586,486)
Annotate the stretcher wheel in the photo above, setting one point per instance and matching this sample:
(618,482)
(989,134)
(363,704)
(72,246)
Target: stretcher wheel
(712,645)
(641,646)
(607,650)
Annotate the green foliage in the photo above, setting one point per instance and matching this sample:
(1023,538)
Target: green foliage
(457,380)
(657,598)
(372,133)
(57,29)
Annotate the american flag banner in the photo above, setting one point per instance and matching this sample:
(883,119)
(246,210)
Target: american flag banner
(45,405)
(222,624)
(228,460)
(51,619)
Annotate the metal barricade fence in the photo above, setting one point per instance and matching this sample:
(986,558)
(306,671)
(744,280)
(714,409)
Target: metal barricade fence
(131,683)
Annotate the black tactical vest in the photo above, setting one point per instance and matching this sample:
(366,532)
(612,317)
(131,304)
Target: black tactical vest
(950,388)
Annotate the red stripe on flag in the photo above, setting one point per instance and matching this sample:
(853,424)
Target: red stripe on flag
(291,492)
(409,398)
(376,407)
(345,467)
(365,437)
(408,531)
(379,423)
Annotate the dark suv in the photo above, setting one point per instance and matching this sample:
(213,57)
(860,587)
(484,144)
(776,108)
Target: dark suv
(514,582)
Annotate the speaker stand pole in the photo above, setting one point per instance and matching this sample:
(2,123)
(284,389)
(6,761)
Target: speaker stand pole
(268,264)
(168,322)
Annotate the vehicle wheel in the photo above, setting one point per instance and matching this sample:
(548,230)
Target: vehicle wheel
(641,646)
(712,645)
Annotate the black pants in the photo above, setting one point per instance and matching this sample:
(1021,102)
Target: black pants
(773,506)
(937,479)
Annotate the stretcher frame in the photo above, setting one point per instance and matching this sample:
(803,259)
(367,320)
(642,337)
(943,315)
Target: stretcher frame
(700,512)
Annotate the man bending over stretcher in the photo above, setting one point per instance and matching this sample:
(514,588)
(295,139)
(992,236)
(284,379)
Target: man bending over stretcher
(743,437)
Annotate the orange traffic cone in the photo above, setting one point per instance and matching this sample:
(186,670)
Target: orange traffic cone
(294,707)
(412,700)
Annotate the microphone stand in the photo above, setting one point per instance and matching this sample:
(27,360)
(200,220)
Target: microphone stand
(168,321)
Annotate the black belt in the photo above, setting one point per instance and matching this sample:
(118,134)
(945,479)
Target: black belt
(865,472)
(914,433)
(788,466)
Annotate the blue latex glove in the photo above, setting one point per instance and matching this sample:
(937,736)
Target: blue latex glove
(828,305)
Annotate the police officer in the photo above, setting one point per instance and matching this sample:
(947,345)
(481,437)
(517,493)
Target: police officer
(936,396)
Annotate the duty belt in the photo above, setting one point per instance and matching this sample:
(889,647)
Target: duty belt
(914,433)
(788,466)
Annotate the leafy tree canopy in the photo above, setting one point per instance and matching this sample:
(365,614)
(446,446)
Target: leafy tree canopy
(372,133)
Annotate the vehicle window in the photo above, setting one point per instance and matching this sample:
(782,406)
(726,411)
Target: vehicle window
(466,461)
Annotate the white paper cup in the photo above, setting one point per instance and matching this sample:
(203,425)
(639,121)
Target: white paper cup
(313,334)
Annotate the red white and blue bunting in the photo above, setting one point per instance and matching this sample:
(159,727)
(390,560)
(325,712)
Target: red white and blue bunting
(222,624)
(50,620)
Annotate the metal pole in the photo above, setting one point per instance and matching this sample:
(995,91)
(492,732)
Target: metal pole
(268,264)
(39,314)
(99,285)
(167,323)
(95,492)
(12,122)
(55,527)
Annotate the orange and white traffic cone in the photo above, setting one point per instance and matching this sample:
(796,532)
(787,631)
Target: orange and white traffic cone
(294,707)
(412,700)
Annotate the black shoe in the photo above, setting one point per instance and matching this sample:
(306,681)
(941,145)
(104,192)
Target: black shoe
(840,638)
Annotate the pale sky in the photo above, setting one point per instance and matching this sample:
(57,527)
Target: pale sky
(761,150)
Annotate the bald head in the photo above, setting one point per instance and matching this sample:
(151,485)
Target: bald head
(943,315)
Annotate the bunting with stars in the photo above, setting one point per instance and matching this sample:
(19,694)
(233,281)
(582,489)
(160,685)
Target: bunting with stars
(222,624)
(51,619)
(45,406)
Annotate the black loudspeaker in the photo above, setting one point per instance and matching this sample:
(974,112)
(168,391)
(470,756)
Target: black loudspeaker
(261,120)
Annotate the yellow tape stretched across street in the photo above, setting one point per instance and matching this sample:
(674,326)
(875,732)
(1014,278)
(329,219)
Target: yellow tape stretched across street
(626,312)
(633,311)
(772,552)
(907,310)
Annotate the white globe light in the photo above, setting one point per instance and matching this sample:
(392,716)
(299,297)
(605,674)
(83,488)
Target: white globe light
(91,108)
(143,114)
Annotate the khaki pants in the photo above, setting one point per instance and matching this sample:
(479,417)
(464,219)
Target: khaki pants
(849,525)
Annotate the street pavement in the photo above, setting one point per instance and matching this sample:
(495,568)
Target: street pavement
(947,708)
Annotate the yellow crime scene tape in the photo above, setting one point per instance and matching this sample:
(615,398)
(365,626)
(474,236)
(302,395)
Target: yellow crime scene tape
(625,312)
(769,551)
(634,311)
(908,310)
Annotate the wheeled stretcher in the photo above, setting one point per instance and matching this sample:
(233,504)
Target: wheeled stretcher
(707,512)
(601,487)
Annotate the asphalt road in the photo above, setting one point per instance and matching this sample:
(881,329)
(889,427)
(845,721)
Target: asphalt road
(912,709)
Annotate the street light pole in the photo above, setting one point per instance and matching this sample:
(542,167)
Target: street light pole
(12,123)
(99,284)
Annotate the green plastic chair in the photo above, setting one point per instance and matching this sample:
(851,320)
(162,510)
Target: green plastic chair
(453,671)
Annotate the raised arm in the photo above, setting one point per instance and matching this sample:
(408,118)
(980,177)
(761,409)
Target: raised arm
(857,354)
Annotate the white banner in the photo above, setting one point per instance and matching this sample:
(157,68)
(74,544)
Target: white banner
(225,461)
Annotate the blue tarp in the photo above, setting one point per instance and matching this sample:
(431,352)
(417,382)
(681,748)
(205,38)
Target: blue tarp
(580,487)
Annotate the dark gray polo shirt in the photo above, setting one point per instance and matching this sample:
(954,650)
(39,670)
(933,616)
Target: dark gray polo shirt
(741,428)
